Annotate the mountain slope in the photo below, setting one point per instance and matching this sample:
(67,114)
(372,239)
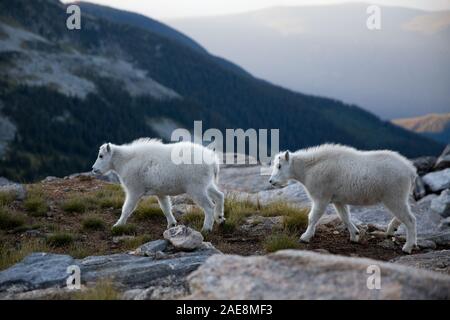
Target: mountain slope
(401,70)
(140,21)
(65,92)
(436,126)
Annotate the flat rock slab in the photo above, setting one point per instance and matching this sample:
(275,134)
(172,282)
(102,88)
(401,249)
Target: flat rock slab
(36,271)
(43,270)
(295,274)
(435,260)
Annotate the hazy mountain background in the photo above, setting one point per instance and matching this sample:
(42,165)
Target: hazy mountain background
(435,126)
(122,76)
(402,70)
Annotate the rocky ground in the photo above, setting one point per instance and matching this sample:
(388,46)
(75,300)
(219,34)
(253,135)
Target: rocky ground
(47,226)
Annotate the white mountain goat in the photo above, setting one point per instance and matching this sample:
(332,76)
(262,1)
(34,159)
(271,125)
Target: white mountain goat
(146,167)
(345,176)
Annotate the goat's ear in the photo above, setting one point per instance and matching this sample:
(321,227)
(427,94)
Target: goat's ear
(286,155)
(108,147)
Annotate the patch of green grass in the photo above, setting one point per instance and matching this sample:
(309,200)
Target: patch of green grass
(93,223)
(10,256)
(193,218)
(229,226)
(111,196)
(111,202)
(85,178)
(127,229)
(148,210)
(10,220)
(296,221)
(75,205)
(50,227)
(281,208)
(58,240)
(79,252)
(6,198)
(130,244)
(236,211)
(35,203)
(280,241)
(103,290)
(36,206)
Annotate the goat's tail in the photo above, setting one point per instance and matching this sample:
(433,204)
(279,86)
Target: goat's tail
(414,176)
(413,182)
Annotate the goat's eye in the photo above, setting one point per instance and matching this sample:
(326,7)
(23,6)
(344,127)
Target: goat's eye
(101,157)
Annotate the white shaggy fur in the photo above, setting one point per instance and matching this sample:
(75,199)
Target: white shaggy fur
(345,176)
(145,167)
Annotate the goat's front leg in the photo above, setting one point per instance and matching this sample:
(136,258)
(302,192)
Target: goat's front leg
(131,201)
(166,207)
(317,210)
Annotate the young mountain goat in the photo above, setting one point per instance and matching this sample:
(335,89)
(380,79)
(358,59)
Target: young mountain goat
(146,166)
(343,175)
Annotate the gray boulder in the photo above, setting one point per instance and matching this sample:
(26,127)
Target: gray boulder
(294,193)
(437,181)
(428,221)
(184,238)
(108,177)
(426,244)
(294,274)
(445,224)
(168,288)
(441,204)
(435,260)
(151,248)
(244,179)
(50,179)
(440,238)
(424,164)
(260,226)
(11,187)
(443,161)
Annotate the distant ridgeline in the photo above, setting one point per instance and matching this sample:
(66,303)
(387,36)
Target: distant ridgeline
(435,126)
(63,93)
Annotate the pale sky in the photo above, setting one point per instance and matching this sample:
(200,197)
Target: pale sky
(169,9)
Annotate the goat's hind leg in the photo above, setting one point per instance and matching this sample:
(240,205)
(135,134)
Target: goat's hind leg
(402,212)
(342,211)
(166,207)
